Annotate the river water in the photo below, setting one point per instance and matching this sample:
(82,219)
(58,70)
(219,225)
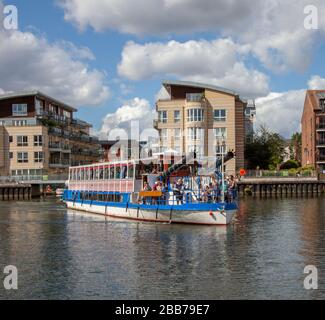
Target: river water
(63,254)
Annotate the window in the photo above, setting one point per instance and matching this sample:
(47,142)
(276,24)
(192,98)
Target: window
(38,157)
(198,149)
(11,155)
(178,149)
(195,115)
(38,107)
(195,134)
(66,114)
(219,115)
(19,110)
(220,133)
(220,149)
(22,157)
(22,141)
(38,141)
(162,116)
(177,116)
(194,97)
(11,139)
(177,134)
(163,134)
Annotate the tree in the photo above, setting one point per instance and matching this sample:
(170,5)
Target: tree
(295,147)
(266,149)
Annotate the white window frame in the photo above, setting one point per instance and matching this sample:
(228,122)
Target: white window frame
(177,119)
(19,109)
(222,133)
(39,141)
(195,115)
(164,134)
(23,142)
(219,117)
(38,157)
(22,157)
(195,134)
(177,134)
(162,116)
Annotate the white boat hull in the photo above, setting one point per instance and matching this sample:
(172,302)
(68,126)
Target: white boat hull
(164,216)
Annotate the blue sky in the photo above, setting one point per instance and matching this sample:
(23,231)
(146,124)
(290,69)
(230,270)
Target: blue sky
(273,61)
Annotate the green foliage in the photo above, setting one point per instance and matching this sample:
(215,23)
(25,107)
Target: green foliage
(48,123)
(295,147)
(290,164)
(266,150)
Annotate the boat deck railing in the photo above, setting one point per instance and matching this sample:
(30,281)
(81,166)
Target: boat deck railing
(176,197)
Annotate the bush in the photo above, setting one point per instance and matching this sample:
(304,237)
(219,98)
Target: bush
(290,164)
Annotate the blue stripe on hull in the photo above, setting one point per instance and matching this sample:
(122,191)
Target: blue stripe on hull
(70,196)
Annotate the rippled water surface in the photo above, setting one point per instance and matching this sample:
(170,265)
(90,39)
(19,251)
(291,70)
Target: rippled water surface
(63,254)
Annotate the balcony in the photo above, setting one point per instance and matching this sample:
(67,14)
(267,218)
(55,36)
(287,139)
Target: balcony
(80,123)
(48,115)
(86,152)
(59,163)
(320,126)
(59,147)
(320,158)
(320,143)
(72,135)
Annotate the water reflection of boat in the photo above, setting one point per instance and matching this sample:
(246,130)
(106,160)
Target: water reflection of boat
(120,190)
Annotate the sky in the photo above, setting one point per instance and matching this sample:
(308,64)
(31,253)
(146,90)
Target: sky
(108,57)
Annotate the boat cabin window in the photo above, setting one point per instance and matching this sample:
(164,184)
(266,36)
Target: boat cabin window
(91,174)
(82,174)
(131,171)
(106,173)
(111,172)
(124,172)
(101,173)
(117,172)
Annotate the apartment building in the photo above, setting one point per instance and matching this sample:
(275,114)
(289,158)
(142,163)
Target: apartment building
(313,130)
(40,136)
(204,119)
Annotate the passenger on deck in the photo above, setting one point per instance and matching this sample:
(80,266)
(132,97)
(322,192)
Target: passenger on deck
(178,191)
(146,187)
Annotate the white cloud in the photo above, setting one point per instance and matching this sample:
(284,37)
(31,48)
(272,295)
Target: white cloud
(316,83)
(119,122)
(30,62)
(217,62)
(281,112)
(273,29)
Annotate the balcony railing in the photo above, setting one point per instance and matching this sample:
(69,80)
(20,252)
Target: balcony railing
(59,162)
(59,146)
(80,123)
(72,135)
(320,158)
(320,126)
(320,142)
(53,116)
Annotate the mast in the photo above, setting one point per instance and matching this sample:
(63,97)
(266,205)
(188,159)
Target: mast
(223,169)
